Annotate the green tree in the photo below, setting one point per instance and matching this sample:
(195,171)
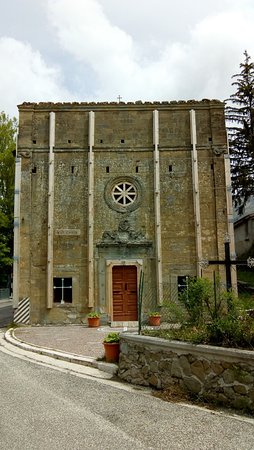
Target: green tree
(240,117)
(8,129)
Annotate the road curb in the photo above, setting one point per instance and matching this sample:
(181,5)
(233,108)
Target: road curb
(10,337)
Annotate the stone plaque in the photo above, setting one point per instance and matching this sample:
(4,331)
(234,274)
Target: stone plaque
(67,232)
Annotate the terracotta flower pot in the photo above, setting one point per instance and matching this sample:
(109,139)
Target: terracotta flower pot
(112,350)
(93,322)
(155,321)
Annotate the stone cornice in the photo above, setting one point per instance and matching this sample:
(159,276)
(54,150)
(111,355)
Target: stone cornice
(87,106)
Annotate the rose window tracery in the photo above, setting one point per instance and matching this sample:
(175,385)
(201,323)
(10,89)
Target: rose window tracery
(124,193)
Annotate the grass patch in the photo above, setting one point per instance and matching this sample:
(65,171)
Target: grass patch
(13,325)
(246,300)
(185,333)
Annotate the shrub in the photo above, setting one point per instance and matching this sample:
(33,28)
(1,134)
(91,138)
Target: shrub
(231,332)
(112,337)
(154,314)
(195,298)
(94,315)
(214,316)
(174,312)
(205,301)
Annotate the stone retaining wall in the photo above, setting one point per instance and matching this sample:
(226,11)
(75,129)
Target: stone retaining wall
(217,374)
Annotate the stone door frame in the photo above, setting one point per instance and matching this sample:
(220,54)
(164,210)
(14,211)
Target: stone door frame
(110,263)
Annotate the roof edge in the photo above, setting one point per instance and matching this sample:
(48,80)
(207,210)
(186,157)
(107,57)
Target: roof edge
(139,103)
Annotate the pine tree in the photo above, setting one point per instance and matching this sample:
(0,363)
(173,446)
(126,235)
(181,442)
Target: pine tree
(8,128)
(240,117)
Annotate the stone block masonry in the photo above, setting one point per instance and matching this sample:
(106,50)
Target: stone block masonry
(221,375)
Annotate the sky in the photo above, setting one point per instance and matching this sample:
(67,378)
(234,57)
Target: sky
(97,50)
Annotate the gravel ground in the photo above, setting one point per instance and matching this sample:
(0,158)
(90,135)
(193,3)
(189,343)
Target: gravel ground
(77,339)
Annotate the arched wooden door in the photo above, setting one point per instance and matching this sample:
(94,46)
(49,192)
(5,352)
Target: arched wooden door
(125,298)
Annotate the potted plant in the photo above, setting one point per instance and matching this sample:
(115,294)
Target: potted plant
(112,347)
(93,319)
(154,318)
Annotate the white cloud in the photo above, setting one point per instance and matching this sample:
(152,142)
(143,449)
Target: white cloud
(86,33)
(26,77)
(141,49)
(199,67)
(216,50)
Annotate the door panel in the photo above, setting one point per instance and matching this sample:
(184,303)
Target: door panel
(125,299)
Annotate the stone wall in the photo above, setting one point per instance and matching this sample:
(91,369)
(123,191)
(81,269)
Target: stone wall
(216,374)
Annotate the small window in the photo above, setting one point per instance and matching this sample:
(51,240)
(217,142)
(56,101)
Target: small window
(210,139)
(62,290)
(170,168)
(101,141)
(34,169)
(107,169)
(211,166)
(34,141)
(69,141)
(74,170)
(136,169)
(122,141)
(182,283)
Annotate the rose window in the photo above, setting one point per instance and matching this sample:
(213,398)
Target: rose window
(124,193)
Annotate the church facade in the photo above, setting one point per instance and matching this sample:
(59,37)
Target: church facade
(105,191)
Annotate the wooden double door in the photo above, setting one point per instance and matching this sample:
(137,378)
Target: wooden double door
(125,298)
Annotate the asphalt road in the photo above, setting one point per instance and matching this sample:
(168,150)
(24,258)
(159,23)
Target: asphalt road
(44,407)
(6,315)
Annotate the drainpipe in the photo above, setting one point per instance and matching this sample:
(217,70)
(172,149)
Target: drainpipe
(195,185)
(16,241)
(91,211)
(156,158)
(230,216)
(50,258)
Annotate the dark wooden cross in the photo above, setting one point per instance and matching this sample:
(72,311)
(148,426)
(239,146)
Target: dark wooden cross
(228,262)
(119,98)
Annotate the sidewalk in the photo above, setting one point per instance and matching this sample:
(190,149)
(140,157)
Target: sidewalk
(5,302)
(74,343)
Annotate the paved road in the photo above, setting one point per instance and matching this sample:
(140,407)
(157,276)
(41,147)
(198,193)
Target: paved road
(43,407)
(6,315)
